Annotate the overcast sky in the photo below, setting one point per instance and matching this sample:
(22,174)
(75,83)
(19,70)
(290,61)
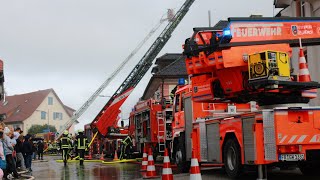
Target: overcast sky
(72,46)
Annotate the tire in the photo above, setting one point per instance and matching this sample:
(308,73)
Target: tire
(180,156)
(232,158)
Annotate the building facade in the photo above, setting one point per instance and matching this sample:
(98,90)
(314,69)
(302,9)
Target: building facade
(36,108)
(303,8)
(165,75)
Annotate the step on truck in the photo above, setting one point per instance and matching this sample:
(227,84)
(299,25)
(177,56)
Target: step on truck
(245,105)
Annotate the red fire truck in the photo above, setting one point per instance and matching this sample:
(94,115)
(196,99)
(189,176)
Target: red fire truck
(150,124)
(244,107)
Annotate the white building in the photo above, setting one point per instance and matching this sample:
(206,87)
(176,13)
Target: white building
(39,107)
(304,8)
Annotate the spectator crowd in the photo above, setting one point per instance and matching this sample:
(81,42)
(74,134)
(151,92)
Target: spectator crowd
(17,151)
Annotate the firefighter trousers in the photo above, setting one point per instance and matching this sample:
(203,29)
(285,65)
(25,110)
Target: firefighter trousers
(65,154)
(81,155)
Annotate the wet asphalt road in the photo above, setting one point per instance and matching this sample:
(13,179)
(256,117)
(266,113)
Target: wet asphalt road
(94,170)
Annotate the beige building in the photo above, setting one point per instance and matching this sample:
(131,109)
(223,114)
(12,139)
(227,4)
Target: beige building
(304,8)
(40,107)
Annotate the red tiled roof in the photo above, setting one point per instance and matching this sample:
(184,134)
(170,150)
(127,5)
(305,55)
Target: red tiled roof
(69,110)
(22,106)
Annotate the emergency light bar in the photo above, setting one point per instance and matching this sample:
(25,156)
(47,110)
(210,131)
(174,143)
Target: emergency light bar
(226,36)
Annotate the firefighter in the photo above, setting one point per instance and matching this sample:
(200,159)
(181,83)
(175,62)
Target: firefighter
(82,145)
(65,145)
(76,146)
(125,146)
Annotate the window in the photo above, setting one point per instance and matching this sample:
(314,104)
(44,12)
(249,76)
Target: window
(177,103)
(43,114)
(57,116)
(50,100)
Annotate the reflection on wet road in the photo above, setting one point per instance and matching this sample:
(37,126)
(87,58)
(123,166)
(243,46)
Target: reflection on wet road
(54,170)
(97,171)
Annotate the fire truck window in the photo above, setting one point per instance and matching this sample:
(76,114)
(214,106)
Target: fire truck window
(182,104)
(177,109)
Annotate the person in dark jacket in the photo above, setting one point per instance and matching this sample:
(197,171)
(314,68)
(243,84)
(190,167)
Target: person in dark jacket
(40,150)
(34,150)
(27,149)
(19,152)
(82,145)
(8,147)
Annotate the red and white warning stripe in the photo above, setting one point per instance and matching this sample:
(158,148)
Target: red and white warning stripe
(299,139)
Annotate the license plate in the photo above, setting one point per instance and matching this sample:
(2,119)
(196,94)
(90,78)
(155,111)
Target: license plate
(291,157)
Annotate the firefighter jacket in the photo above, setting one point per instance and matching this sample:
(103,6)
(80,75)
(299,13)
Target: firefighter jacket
(65,142)
(127,141)
(81,141)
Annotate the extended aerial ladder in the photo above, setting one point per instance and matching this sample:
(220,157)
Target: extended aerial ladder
(109,112)
(92,98)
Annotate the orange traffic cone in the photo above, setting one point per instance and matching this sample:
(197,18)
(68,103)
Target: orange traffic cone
(304,75)
(144,163)
(166,170)
(115,156)
(102,156)
(151,169)
(194,169)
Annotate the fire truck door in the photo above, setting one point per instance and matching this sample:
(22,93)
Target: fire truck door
(213,139)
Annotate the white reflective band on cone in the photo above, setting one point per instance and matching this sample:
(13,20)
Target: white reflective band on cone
(144,162)
(303,72)
(194,162)
(302,60)
(195,177)
(151,168)
(144,155)
(166,159)
(166,171)
(150,158)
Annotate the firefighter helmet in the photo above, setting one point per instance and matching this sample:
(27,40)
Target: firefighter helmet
(65,132)
(80,131)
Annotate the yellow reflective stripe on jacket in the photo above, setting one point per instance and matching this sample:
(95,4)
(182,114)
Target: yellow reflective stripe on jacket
(65,142)
(84,143)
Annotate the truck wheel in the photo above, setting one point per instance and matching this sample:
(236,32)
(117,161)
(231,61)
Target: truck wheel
(180,156)
(232,158)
